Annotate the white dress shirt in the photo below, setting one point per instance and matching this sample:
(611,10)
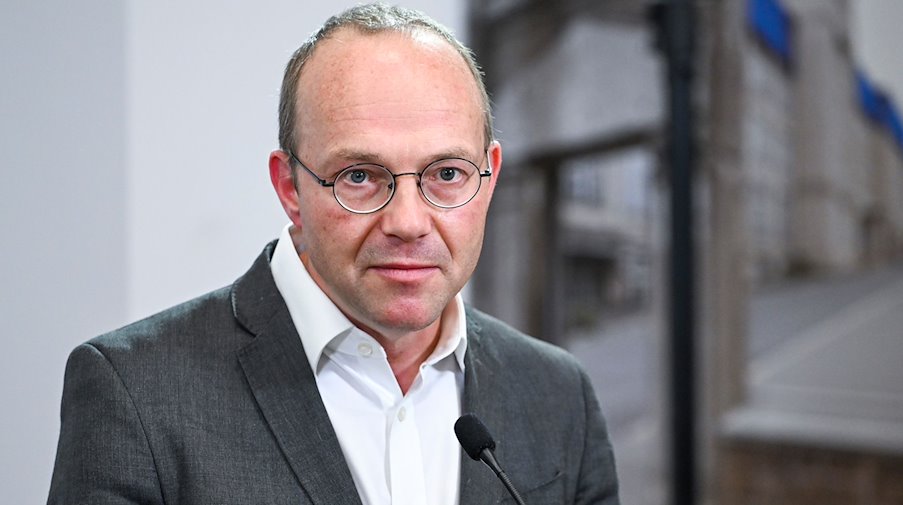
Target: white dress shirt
(401,449)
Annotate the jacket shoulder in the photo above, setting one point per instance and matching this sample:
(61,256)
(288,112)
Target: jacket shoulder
(511,345)
(189,325)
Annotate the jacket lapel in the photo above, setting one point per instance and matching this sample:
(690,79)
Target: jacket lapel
(495,386)
(478,483)
(285,389)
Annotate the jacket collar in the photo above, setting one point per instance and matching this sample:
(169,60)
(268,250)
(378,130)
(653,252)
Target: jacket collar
(478,483)
(494,390)
(284,387)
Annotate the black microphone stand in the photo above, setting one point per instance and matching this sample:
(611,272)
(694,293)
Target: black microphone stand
(486,456)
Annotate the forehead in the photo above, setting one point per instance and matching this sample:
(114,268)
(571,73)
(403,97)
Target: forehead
(384,79)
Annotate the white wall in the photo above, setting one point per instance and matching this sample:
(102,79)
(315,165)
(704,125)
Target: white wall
(63,273)
(133,145)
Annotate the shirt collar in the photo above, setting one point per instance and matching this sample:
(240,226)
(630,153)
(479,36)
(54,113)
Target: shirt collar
(319,322)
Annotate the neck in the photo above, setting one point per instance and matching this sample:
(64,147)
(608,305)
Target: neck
(407,352)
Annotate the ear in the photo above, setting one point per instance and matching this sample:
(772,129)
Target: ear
(494,155)
(284,184)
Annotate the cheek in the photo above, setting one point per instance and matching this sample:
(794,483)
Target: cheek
(318,224)
(332,234)
(463,234)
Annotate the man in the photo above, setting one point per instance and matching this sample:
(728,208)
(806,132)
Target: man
(333,371)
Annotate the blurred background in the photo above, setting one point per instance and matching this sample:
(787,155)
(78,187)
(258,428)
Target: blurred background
(134,138)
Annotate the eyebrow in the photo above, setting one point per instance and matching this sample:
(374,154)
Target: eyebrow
(345,155)
(351,155)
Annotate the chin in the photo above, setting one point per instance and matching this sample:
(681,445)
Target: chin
(407,318)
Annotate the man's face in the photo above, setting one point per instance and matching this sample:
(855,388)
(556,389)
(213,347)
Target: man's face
(400,101)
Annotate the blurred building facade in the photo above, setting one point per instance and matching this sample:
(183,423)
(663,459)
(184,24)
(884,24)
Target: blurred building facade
(822,176)
(577,87)
(804,168)
(577,96)
(800,166)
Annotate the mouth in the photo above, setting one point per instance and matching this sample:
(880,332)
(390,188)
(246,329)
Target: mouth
(405,272)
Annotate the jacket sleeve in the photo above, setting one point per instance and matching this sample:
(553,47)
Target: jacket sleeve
(598,480)
(103,456)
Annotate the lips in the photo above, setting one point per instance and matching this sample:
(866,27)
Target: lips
(405,272)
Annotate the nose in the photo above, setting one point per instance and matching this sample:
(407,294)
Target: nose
(407,216)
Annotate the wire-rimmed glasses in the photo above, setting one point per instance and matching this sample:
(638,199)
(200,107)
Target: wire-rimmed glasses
(364,188)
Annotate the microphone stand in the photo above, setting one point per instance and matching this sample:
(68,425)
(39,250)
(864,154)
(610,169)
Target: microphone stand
(486,456)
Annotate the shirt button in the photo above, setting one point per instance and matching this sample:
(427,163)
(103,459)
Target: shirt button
(402,413)
(365,350)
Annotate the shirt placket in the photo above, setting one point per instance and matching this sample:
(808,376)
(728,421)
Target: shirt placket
(405,465)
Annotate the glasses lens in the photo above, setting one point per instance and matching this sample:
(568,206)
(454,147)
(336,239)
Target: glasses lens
(451,182)
(363,188)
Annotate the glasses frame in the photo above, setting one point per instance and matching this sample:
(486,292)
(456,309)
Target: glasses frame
(326,184)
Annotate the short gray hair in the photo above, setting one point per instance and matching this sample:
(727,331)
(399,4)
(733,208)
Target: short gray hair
(371,19)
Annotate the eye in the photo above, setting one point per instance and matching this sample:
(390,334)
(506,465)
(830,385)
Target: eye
(357,176)
(449,174)
(448,171)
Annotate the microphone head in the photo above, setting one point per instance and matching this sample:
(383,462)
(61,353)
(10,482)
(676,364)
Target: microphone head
(473,435)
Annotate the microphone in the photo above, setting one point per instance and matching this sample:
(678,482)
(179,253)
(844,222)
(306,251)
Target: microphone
(478,444)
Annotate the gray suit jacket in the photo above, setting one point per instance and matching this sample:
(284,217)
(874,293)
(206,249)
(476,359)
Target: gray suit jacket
(213,402)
